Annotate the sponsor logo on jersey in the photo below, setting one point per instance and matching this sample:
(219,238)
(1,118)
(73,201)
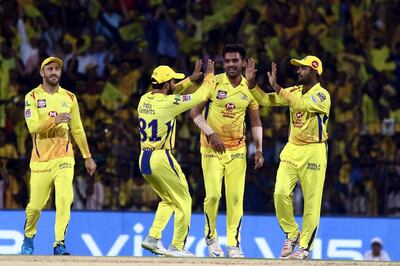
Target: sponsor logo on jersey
(39,171)
(321,96)
(298,120)
(65,105)
(221,95)
(229,110)
(28,113)
(186,98)
(314,166)
(313,99)
(289,162)
(244,97)
(177,100)
(52,113)
(230,106)
(65,165)
(41,103)
(237,156)
(210,155)
(27,104)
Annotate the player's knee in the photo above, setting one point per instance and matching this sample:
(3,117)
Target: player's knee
(64,201)
(213,197)
(31,208)
(281,194)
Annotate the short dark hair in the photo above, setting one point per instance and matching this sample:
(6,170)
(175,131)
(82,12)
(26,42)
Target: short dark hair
(234,48)
(155,85)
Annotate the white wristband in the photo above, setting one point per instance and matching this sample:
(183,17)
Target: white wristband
(257,133)
(202,124)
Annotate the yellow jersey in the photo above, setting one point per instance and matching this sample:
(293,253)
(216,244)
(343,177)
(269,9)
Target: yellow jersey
(225,112)
(52,141)
(309,112)
(157,114)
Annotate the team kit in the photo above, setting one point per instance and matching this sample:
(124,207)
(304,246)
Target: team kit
(218,106)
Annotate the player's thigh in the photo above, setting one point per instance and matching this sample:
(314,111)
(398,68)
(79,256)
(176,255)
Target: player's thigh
(167,178)
(213,171)
(286,178)
(312,174)
(63,181)
(235,170)
(41,182)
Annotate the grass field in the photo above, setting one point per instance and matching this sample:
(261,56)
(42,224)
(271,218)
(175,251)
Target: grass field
(18,260)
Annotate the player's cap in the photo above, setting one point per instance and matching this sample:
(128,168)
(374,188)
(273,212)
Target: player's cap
(310,61)
(376,240)
(163,74)
(51,59)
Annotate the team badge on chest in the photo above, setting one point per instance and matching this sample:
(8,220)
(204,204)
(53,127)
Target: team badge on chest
(221,95)
(41,103)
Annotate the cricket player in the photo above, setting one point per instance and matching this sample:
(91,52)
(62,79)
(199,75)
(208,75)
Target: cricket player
(223,148)
(50,113)
(304,157)
(157,126)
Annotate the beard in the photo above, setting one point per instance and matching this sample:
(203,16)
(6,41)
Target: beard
(52,80)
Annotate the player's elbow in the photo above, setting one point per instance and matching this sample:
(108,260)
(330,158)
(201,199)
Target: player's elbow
(194,112)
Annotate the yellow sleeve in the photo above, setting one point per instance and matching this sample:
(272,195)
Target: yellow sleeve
(33,122)
(253,103)
(182,103)
(318,103)
(181,86)
(77,130)
(267,99)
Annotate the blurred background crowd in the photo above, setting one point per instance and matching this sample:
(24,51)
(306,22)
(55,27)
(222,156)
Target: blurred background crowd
(110,47)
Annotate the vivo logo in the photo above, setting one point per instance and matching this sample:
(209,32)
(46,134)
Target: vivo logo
(337,248)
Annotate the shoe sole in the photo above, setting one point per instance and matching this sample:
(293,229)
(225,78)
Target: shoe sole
(173,256)
(154,251)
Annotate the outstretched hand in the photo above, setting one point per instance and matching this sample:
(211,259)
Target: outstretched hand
(197,71)
(272,75)
(251,72)
(210,67)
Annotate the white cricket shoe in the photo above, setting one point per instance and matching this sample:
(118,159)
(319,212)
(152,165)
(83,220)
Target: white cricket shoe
(154,245)
(214,249)
(234,252)
(289,246)
(174,252)
(300,254)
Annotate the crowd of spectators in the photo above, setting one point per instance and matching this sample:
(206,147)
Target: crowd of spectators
(110,47)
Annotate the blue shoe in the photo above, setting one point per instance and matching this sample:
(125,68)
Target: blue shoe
(60,249)
(27,246)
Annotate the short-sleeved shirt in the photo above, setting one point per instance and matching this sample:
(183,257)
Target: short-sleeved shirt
(225,112)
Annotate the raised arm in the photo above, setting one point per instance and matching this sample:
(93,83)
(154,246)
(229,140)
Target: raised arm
(263,99)
(182,103)
(185,84)
(318,103)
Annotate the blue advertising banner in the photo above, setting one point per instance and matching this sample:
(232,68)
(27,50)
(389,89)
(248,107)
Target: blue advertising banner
(120,234)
